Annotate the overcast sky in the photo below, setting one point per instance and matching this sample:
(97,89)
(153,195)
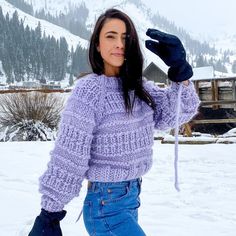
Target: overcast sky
(206,17)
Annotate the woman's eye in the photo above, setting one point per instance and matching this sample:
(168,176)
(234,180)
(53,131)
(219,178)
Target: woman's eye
(110,36)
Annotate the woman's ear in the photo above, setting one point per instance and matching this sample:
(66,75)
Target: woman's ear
(98,48)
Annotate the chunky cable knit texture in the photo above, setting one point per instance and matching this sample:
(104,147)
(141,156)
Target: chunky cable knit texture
(99,141)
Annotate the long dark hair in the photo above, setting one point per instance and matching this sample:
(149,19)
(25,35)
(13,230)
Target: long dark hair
(132,68)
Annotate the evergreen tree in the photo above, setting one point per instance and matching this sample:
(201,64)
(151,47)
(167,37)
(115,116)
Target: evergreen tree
(22,5)
(71,79)
(200,61)
(26,51)
(7,66)
(219,66)
(19,69)
(234,67)
(79,61)
(2,31)
(63,47)
(73,20)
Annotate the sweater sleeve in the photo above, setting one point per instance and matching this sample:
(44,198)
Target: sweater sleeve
(69,158)
(166,104)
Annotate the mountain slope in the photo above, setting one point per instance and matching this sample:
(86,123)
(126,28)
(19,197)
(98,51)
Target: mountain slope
(47,27)
(142,16)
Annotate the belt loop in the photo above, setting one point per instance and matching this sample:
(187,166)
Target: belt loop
(130,184)
(89,184)
(93,186)
(140,181)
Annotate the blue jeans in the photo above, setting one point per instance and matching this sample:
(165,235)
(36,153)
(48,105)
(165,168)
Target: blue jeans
(111,209)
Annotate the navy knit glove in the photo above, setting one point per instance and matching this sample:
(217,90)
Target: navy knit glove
(48,224)
(170,49)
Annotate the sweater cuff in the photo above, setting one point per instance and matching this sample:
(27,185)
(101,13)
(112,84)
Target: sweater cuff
(186,89)
(189,98)
(50,205)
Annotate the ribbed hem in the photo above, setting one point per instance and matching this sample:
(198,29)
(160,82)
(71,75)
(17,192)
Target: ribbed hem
(50,205)
(186,88)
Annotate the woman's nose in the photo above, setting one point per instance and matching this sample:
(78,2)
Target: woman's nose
(120,43)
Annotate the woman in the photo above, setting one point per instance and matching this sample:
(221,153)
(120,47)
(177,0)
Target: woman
(106,129)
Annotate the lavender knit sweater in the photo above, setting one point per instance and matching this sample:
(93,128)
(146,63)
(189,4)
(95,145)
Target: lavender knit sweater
(99,141)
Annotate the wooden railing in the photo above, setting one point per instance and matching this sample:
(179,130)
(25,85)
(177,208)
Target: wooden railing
(217,96)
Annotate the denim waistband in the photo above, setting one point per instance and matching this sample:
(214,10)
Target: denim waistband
(93,186)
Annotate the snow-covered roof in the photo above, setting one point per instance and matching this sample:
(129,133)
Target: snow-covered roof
(205,72)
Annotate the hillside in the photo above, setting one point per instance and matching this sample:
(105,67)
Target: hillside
(199,53)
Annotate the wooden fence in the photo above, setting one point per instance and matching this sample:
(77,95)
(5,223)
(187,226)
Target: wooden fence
(215,93)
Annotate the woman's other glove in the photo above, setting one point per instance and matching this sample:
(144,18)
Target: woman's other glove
(170,49)
(47,224)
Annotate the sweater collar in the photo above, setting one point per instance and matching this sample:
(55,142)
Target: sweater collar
(112,81)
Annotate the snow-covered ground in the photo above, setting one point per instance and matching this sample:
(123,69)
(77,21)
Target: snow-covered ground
(205,205)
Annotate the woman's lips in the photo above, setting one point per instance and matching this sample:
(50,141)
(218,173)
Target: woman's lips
(118,54)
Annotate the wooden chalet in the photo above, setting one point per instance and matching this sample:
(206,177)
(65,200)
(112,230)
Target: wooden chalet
(214,92)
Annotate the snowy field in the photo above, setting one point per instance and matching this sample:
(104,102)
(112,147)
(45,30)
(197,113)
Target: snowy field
(206,205)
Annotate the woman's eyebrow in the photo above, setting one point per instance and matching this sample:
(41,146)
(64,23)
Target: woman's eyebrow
(114,32)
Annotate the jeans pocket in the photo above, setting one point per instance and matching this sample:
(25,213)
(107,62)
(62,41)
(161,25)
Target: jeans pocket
(116,194)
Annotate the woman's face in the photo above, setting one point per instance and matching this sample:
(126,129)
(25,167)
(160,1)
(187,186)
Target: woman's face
(112,46)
